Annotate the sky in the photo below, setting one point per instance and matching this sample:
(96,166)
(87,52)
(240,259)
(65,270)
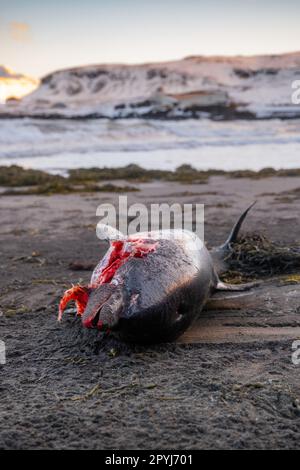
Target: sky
(40,36)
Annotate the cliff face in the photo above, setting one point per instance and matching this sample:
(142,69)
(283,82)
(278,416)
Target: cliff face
(258,86)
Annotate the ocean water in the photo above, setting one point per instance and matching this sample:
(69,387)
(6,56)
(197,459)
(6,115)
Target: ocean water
(57,145)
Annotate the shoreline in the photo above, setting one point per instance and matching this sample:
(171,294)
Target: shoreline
(226,117)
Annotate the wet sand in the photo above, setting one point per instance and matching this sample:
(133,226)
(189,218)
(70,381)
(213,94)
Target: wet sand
(228,383)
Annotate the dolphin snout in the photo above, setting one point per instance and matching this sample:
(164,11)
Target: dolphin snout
(104,307)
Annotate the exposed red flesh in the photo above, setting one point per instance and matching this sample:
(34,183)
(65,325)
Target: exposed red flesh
(121,251)
(79,294)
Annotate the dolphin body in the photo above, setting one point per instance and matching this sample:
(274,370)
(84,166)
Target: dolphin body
(149,287)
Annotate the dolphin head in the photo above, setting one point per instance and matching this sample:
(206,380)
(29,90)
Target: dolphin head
(145,289)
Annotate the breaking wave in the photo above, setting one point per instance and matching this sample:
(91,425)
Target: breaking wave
(61,144)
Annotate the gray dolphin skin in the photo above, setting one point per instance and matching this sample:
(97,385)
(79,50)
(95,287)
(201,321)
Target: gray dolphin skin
(149,287)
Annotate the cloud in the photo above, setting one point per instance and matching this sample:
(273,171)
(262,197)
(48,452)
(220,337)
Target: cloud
(20,32)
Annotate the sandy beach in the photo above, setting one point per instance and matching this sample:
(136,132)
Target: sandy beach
(231,385)
(119,120)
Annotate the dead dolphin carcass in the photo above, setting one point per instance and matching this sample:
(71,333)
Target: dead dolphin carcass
(149,287)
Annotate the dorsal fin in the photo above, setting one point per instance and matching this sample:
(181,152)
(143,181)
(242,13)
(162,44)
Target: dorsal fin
(220,253)
(235,230)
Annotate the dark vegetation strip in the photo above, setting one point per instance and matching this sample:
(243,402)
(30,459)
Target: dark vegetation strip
(88,180)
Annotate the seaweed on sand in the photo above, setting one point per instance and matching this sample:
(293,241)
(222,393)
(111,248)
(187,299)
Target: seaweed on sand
(264,173)
(64,187)
(16,176)
(255,256)
(184,173)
